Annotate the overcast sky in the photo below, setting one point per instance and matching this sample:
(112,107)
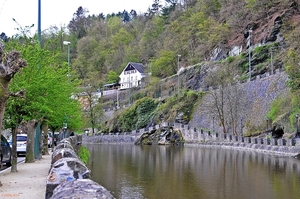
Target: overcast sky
(59,12)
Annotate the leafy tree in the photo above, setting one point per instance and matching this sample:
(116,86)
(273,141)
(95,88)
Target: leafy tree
(91,105)
(79,23)
(132,15)
(155,8)
(166,65)
(125,16)
(113,77)
(170,7)
(4,37)
(48,90)
(137,116)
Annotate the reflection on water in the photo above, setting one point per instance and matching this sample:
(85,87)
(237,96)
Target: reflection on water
(153,172)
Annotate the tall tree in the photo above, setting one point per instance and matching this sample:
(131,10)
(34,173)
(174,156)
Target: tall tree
(79,24)
(10,64)
(48,90)
(92,107)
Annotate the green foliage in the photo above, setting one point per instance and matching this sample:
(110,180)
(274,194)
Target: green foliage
(275,109)
(168,110)
(242,62)
(138,115)
(84,154)
(230,59)
(165,65)
(48,90)
(293,70)
(261,53)
(113,77)
(250,3)
(122,37)
(284,108)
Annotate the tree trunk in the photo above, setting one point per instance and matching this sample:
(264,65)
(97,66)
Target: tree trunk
(3,100)
(29,128)
(45,140)
(14,151)
(7,72)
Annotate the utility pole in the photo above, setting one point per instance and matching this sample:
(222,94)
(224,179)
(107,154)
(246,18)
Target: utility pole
(250,31)
(271,49)
(178,74)
(39,22)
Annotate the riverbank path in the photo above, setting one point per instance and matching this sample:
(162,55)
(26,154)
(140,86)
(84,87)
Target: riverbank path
(28,182)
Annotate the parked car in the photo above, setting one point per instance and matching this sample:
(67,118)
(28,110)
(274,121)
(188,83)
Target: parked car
(5,153)
(21,143)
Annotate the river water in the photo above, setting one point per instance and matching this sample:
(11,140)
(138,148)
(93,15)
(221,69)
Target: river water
(187,172)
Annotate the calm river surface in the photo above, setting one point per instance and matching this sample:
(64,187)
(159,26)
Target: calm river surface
(163,172)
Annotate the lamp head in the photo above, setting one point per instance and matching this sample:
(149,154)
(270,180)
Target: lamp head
(66,42)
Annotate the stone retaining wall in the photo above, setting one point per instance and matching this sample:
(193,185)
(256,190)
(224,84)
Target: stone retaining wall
(286,147)
(68,176)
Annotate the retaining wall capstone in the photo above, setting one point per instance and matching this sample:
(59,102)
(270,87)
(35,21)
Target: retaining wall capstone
(69,177)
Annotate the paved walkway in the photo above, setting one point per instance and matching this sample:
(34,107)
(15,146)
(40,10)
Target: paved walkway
(28,183)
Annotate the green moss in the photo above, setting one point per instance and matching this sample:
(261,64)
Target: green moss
(84,154)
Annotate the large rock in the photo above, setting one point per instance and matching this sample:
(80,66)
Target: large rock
(81,189)
(161,136)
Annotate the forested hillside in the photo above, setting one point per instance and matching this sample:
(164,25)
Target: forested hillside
(193,29)
(220,33)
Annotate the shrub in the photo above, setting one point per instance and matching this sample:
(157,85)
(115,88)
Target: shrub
(84,154)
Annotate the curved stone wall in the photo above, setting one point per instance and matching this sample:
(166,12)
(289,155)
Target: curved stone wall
(68,175)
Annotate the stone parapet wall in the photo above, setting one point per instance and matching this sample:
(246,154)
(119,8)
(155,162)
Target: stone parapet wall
(123,138)
(68,176)
(287,147)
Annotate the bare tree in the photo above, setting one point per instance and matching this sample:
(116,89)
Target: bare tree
(10,64)
(223,101)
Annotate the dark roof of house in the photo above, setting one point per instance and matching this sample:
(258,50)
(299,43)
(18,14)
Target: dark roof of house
(138,66)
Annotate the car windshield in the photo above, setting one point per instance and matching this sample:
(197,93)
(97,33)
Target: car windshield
(21,138)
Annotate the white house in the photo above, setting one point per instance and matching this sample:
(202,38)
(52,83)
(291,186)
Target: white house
(132,75)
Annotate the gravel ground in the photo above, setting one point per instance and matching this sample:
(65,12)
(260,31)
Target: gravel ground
(28,183)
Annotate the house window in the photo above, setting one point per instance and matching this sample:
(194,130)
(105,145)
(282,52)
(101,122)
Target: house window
(135,77)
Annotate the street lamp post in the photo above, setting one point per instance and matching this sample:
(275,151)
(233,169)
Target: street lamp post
(118,98)
(178,73)
(241,125)
(297,134)
(68,44)
(267,121)
(250,31)
(39,22)
(213,123)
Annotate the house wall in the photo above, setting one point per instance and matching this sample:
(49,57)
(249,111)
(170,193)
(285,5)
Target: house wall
(130,79)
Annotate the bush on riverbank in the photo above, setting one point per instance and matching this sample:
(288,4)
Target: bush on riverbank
(84,154)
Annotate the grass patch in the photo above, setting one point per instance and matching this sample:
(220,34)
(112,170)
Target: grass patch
(84,154)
